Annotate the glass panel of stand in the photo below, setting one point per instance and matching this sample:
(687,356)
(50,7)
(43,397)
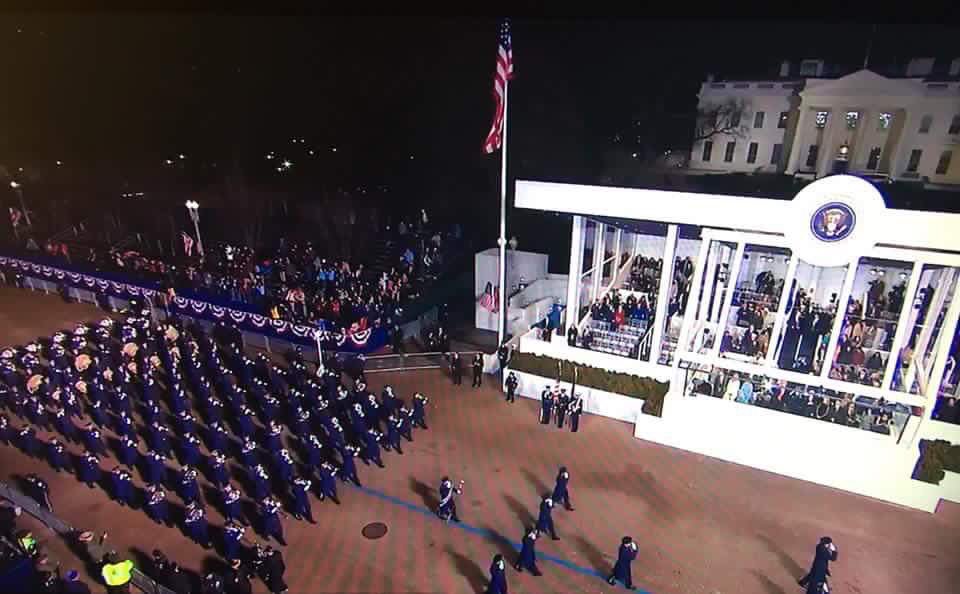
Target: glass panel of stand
(808,317)
(682,278)
(716,283)
(936,289)
(640,288)
(947,408)
(870,322)
(756,298)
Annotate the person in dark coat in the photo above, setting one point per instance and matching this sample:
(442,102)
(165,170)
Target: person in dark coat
(528,554)
(237,579)
(562,406)
(546,406)
(270,524)
(545,518)
(371,449)
(419,410)
(195,524)
(825,552)
(511,385)
(625,556)
(328,482)
(301,499)
(576,409)
(477,370)
(498,577)
(57,455)
(88,469)
(274,568)
(232,538)
(561,492)
(393,435)
(92,440)
(156,505)
(456,369)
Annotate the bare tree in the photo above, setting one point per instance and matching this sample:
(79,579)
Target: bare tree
(726,118)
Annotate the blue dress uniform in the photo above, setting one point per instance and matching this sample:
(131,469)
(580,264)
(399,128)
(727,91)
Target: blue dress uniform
(270,407)
(274,443)
(88,469)
(64,425)
(232,537)
(260,481)
(498,577)
(27,440)
(151,413)
(37,413)
(576,409)
(825,552)
(546,406)
(358,419)
(121,402)
(195,525)
(313,450)
(393,434)
(337,438)
(219,473)
(97,414)
(189,450)
(405,416)
(156,505)
(186,424)
(6,434)
(348,471)
(625,556)
(371,448)
(419,410)
(248,453)
(154,469)
(159,437)
(447,508)
(301,423)
(528,554)
(561,492)
(270,520)
(328,482)
(301,499)
(545,518)
(57,455)
(284,466)
(217,437)
(122,486)
(124,424)
(231,503)
(244,422)
(127,453)
(188,489)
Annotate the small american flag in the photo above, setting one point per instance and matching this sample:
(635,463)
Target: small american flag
(504,73)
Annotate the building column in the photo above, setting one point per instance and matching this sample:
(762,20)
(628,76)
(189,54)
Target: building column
(599,247)
(616,253)
(827,155)
(775,340)
(799,137)
(663,293)
(576,270)
(902,332)
(842,303)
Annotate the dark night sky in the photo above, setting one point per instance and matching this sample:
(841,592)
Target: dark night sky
(121,93)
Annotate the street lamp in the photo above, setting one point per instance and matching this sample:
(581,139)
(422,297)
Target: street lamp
(18,188)
(193,207)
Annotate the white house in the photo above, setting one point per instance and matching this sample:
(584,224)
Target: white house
(811,124)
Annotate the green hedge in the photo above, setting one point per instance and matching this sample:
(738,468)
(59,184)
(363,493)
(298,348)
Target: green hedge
(649,390)
(936,457)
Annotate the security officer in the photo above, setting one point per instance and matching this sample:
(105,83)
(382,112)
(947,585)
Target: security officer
(546,406)
(528,554)
(825,552)
(456,370)
(477,370)
(562,404)
(498,577)
(301,499)
(545,518)
(156,506)
(232,537)
(127,452)
(57,455)
(122,486)
(270,519)
(231,503)
(328,482)
(625,556)
(219,473)
(511,385)
(348,470)
(561,492)
(195,524)
(419,410)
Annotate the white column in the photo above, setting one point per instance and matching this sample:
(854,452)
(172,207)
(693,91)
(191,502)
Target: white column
(712,257)
(838,320)
(599,249)
(799,138)
(825,159)
(616,253)
(636,245)
(944,341)
(939,298)
(576,268)
(902,331)
(728,297)
(663,293)
(714,314)
(780,320)
(692,301)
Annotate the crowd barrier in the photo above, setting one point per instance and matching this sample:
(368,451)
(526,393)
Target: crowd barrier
(94,549)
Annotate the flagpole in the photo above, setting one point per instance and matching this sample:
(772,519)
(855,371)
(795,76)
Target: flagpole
(502,317)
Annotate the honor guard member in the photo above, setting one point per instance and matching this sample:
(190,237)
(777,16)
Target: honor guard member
(477,370)
(313,451)
(576,409)
(39,490)
(348,470)
(248,453)
(825,552)
(154,468)
(156,506)
(270,519)
(232,537)
(301,499)
(219,473)
(274,444)
(284,466)
(328,482)
(92,441)
(420,410)
(561,493)
(498,576)
(562,405)
(260,481)
(625,556)
(546,406)
(195,525)
(511,385)
(190,450)
(64,425)
(528,554)
(456,370)
(122,486)
(218,438)
(27,440)
(393,434)
(447,509)
(545,518)
(88,469)
(371,448)
(231,503)
(188,489)
(127,452)
(57,455)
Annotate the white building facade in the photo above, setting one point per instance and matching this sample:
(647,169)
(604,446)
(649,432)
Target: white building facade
(813,338)
(901,128)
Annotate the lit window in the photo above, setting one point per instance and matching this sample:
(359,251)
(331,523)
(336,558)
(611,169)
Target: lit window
(821,119)
(853,118)
(782,122)
(885,120)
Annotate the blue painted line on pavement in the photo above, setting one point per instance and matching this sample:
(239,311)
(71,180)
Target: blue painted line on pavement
(490,534)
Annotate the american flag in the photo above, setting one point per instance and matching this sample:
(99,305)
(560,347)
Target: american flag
(504,73)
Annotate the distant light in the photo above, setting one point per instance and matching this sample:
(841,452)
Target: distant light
(191,204)
(287,164)
(269,156)
(634,155)
(169,161)
(294,141)
(14,185)
(20,169)
(411,157)
(182,156)
(279,169)
(334,149)
(302,141)
(59,163)
(311,152)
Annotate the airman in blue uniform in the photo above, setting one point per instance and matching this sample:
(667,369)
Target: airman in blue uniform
(122,486)
(189,490)
(195,524)
(348,471)
(270,519)
(371,448)
(156,505)
(625,556)
(328,482)
(219,472)
(393,434)
(57,455)
(248,453)
(231,503)
(301,499)
(64,425)
(498,576)
(88,469)
(545,518)
(189,450)
(528,554)
(260,481)
(92,441)
(419,410)
(127,452)
(561,492)
(154,467)
(232,538)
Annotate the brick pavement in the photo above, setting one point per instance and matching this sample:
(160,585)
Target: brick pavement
(703,526)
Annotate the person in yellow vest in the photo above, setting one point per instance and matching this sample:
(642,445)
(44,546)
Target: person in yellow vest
(117,574)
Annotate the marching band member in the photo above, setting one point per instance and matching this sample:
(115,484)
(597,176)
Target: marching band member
(393,434)
(232,537)
(189,490)
(528,554)
(625,556)
(156,506)
(328,482)
(419,410)
(447,510)
(261,482)
(825,552)
(92,441)
(195,525)
(122,486)
(270,519)
(371,449)
(231,503)
(154,467)
(88,469)
(57,455)
(301,499)
(498,577)
(545,518)
(219,472)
